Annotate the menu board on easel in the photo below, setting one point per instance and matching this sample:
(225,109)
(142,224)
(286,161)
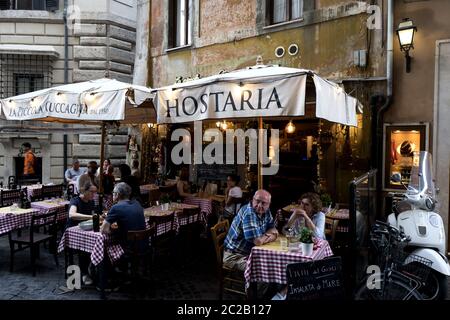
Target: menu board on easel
(321,279)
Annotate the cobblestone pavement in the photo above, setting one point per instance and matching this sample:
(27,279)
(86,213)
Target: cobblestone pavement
(192,280)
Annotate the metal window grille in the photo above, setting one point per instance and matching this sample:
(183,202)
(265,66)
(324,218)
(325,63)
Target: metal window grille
(24,73)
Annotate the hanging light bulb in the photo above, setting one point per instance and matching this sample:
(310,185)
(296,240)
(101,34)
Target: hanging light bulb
(290,128)
(224,125)
(218,124)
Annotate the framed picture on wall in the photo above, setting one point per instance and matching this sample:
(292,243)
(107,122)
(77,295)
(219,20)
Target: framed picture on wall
(400,143)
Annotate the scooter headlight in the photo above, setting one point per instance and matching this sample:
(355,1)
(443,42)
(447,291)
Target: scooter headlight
(434,220)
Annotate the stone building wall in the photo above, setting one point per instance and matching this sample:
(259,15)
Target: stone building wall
(101,45)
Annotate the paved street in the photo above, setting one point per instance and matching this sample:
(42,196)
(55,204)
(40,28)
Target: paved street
(195,281)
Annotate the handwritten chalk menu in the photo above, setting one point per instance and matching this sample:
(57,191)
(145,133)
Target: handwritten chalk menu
(321,279)
(215,172)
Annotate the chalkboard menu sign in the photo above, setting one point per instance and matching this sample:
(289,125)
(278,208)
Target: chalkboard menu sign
(321,279)
(215,172)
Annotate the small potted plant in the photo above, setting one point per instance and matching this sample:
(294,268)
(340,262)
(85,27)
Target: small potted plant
(306,241)
(165,200)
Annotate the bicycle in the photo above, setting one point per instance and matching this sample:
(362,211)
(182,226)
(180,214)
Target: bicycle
(401,274)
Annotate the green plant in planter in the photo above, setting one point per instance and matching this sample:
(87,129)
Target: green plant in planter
(326,199)
(306,235)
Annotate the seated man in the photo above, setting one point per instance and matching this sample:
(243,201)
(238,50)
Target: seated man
(253,225)
(88,176)
(82,208)
(126,215)
(73,173)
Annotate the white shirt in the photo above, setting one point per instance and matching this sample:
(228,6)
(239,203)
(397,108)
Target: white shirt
(234,192)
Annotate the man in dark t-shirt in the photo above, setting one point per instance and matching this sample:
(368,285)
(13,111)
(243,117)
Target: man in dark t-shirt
(126,215)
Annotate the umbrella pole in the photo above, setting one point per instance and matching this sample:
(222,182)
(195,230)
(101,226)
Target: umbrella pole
(260,153)
(102,159)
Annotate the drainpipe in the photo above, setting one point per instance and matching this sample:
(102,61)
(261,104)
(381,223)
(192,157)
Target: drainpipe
(66,79)
(383,102)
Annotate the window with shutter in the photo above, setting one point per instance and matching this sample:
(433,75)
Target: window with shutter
(5,4)
(49,5)
(179,23)
(279,11)
(52,5)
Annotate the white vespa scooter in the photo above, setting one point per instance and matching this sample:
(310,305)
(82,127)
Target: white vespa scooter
(416,217)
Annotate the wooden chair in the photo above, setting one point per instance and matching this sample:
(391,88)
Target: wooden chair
(32,239)
(170,190)
(190,224)
(139,251)
(9,197)
(54,191)
(71,191)
(330,229)
(163,243)
(12,182)
(235,202)
(228,278)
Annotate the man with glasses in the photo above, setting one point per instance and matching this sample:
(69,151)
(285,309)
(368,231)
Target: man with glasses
(253,225)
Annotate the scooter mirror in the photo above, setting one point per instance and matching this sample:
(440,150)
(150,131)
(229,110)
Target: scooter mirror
(396,177)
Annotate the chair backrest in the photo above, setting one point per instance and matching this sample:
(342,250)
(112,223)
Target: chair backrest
(52,191)
(9,197)
(219,233)
(163,222)
(12,182)
(192,215)
(237,202)
(41,220)
(70,191)
(330,228)
(137,237)
(171,190)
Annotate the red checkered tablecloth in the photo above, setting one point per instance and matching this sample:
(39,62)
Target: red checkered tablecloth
(58,205)
(268,263)
(343,215)
(204,204)
(162,228)
(11,219)
(33,190)
(92,242)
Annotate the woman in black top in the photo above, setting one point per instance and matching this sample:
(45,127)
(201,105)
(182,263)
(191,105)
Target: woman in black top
(81,207)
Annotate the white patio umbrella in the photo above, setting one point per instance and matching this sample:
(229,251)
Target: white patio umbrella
(94,102)
(256,92)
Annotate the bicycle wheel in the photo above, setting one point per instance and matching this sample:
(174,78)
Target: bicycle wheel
(393,289)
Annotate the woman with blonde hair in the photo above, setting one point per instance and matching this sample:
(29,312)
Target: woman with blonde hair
(310,213)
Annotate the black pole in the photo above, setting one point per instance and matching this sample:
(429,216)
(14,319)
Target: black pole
(66,80)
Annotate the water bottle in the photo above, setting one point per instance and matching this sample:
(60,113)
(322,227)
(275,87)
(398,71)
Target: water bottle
(95,222)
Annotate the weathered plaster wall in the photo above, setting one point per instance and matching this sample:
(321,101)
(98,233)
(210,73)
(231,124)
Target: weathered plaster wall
(414,91)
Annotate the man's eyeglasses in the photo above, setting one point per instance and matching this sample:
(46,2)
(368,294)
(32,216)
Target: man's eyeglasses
(259,201)
(305,203)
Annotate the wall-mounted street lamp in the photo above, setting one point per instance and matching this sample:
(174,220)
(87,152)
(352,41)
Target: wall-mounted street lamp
(405,32)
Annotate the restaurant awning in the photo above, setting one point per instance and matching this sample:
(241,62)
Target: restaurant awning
(94,102)
(259,91)
(84,102)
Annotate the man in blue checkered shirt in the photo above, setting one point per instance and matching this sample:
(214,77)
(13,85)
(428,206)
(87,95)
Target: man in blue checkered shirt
(253,225)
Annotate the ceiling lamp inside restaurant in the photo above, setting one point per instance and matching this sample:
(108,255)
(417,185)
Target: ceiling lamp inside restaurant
(290,127)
